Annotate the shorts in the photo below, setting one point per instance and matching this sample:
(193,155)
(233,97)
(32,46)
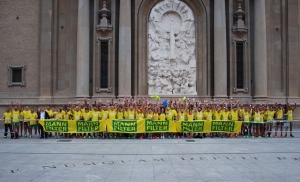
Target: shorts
(246,123)
(287,124)
(279,123)
(33,126)
(25,123)
(257,124)
(15,123)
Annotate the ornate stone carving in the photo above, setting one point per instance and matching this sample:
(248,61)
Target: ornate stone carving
(171,49)
(239,28)
(104,26)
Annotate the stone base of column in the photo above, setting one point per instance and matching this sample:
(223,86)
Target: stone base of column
(262,98)
(220,97)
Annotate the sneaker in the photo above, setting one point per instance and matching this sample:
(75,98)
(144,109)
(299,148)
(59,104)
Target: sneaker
(236,136)
(80,137)
(291,135)
(275,135)
(30,136)
(245,136)
(115,137)
(58,136)
(252,136)
(35,136)
(25,136)
(89,137)
(84,137)
(260,137)
(74,137)
(281,135)
(5,136)
(285,135)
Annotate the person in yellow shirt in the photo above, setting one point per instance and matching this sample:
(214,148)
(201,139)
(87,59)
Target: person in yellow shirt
(96,116)
(289,123)
(16,113)
(50,111)
(26,116)
(58,116)
(279,113)
(270,118)
(234,116)
(208,116)
(33,122)
(190,117)
(7,116)
(112,114)
(162,117)
(246,116)
(77,115)
(149,115)
(87,116)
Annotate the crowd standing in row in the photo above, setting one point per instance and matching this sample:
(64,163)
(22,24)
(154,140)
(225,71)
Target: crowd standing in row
(258,119)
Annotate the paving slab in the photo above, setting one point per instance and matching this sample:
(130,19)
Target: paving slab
(210,159)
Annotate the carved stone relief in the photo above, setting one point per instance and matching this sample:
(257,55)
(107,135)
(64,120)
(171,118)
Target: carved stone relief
(171,49)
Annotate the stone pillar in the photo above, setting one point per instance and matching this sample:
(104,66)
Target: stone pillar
(220,54)
(260,50)
(83,47)
(124,84)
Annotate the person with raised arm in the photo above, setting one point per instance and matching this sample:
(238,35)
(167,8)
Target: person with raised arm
(7,116)
(290,110)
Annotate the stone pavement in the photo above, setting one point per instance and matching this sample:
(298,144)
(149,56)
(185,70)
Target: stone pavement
(267,159)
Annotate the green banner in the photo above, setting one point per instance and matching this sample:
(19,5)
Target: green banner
(126,126)
(157,126)
(192,126)
(87,126)
(56,126)
(222,126)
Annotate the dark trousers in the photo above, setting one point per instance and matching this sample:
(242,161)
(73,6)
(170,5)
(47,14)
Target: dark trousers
(6,129)
(43,133)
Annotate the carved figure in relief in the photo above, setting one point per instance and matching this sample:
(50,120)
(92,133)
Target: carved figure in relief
(171,47)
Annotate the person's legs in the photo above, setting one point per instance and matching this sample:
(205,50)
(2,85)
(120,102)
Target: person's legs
(291,129)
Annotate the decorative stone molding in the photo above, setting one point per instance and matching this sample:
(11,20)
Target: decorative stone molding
(99,90)
(104,26)
(171,49)
(235,90)
(239,28)
(10,76)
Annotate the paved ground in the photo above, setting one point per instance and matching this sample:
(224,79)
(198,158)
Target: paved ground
(267,159)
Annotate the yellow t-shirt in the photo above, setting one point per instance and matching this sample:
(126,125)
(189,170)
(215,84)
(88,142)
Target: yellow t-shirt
(162,117)
(112,114)
(234,115)
(126,114)
(33,117)
(96,115)
(247,116)
(279,114)
(104,115)
(77,115)
(131,114)
(50,113)
(208,115)
(149,116)
(59,116)
(257,117)
(225,115)
(120,115)
(190,117)
(7,116)
(181,116)
(25,114)
(270,115)
(140,116)
(217,115)
(87,116)
(199,115)
(15,115)
(155,116)
(290,115)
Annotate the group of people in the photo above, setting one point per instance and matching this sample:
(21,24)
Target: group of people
(258,119)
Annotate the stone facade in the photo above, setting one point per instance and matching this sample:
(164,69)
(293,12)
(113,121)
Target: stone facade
(46,37)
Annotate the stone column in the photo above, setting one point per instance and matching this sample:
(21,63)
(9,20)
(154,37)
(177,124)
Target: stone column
(83,47)
(124,84)
(260,50)
(220,54)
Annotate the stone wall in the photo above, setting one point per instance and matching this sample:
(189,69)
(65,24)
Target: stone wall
(19,45)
